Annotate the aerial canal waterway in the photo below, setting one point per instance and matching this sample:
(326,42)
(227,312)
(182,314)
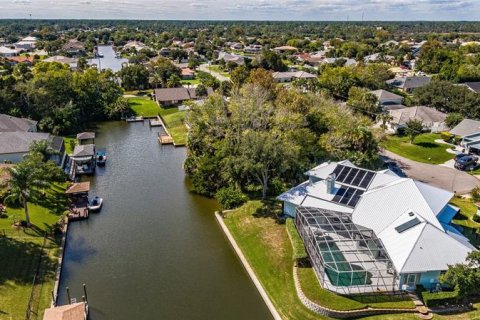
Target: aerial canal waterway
(155,250)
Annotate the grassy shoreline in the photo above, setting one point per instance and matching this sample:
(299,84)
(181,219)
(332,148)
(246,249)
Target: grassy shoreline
(267,247)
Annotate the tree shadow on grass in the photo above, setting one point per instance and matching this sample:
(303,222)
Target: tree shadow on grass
(270,210)
(20,261)
(429,145)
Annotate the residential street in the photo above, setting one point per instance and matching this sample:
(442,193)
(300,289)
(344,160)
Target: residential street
(439,176)
(204,68)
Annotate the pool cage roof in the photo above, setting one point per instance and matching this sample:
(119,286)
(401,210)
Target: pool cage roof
(348,258)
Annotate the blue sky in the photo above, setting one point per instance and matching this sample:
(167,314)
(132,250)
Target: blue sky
(244,9)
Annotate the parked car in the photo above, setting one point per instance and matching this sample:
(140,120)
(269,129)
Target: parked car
(466,163)
(460,155)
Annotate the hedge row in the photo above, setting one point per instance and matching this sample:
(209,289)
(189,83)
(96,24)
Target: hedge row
(435,299)
(297,243)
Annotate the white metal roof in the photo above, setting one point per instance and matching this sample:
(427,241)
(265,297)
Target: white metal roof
(379,207)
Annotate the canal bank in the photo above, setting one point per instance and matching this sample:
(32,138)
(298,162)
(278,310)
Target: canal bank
(155,250)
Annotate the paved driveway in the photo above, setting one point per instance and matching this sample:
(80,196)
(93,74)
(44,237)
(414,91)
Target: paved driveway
(204,68)
(437,175)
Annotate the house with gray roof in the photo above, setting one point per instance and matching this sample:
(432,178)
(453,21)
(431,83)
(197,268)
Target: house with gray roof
(173,96)
(469,131)
(432,119)
(15,145)
(472,86)
(385,97)
(290,76)
(408,84)
(13,124)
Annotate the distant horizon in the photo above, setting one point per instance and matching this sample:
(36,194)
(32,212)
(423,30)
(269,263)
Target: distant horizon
(245,10)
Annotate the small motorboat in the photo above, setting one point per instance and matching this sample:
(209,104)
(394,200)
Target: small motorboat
(101,158)
(95,204)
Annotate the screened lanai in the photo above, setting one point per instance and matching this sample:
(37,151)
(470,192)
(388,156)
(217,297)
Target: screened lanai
(347,258)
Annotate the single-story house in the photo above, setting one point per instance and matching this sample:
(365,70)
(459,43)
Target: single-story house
(290,76)
(12,124)
(469,131)
(378,57)
(74,47)
(15,145)
(408,84)
(21,59)
(432,119)
(8,52)
(135,44)
(172,96)
(348,61)
(27,43)
(187,73)
(283,49)
(73,311)
(72,62)
(253,48)
(385,97)
(229,57)
(384,232)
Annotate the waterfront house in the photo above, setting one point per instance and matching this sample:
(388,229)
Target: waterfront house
(12,124)
(174,96)
(432,119)
(15,145)
(383,232)
(72,62)
(74,311)
(408,84)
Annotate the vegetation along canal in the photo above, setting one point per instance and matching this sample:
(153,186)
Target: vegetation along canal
(155,250)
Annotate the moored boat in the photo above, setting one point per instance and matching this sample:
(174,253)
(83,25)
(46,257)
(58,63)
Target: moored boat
(95,204)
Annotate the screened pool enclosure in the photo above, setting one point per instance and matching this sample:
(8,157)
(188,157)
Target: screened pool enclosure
(347,258)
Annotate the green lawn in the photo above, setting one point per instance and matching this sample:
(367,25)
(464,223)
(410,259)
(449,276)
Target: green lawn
(191,82)
(20,251)
(424,149)
(70,143)
(266,245)
(217,69)
(144,106)
(175,122)
(464,218)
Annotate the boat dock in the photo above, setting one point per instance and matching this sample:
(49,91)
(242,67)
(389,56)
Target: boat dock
(156,122)
(135,119)
(165,139)
(78,213)
(78,196)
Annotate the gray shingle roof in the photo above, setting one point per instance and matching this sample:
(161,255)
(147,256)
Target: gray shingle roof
(85,135)
(85,150)
(385,95)
(474,86)
(409,82)
(19,142)
(11,124)
(177,94)
(426,114)
(466,127)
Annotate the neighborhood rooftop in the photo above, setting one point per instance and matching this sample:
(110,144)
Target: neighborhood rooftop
(11,124)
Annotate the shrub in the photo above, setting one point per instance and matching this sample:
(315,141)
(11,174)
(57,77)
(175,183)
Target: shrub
(475,194)
(297,242)
(446,136)
(435,299)
(230,197)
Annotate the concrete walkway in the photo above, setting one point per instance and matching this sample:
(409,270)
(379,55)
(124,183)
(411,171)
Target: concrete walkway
(204,68)
(440,176)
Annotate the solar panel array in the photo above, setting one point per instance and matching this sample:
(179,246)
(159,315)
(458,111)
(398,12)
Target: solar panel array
(353,176)
(354,182)
(407,225)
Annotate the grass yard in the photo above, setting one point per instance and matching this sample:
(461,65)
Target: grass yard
(217,69)
(464,219)
(423,149)
(267,247)
(143,106)
(20,252)
(191,82)
(70,143)
(175,122)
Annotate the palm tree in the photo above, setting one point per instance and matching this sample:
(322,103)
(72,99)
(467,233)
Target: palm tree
(42,147)
(25,177)
(385,119)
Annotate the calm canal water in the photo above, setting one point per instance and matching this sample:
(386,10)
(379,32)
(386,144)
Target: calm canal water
(155,250)
(109,61)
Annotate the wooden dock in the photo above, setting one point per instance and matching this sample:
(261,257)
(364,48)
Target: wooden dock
(165,139)
(78,213)
(135,119)
(156,122)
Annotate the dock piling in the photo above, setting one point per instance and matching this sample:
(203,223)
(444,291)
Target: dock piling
(85,292)
(68,296)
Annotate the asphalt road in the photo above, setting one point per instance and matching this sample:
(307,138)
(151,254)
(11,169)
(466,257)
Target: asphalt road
(439,176)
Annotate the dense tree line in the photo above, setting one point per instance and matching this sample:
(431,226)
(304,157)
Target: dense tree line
(63,101)
(265,137)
